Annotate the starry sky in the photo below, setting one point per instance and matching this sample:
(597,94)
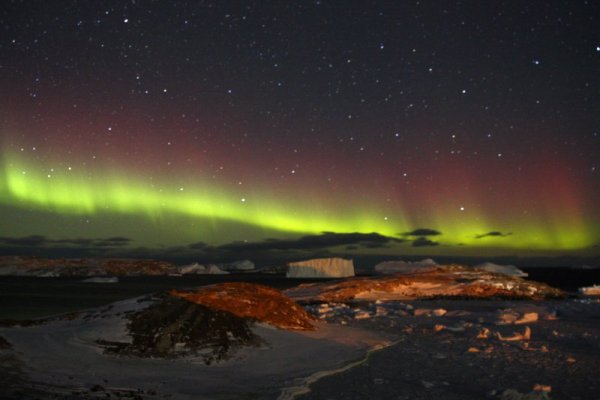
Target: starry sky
(413,127)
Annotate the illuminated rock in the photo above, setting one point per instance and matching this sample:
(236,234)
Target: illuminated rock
(321,268)
(212,322)
(443,281)
(59,267)
(255,302)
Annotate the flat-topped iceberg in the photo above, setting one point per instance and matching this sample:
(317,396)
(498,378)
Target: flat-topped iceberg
(321,268)
(593,290)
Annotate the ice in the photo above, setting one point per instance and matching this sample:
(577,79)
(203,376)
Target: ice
(593,290)
(198,269)
(321,268)
(510,270)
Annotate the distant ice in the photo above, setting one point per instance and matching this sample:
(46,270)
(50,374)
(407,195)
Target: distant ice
(510,270)
(593,290)
(238,266)
(199,269)
(99,279)
(321,268)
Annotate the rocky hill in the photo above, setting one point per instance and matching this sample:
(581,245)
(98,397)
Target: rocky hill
(438,281)
(46,267)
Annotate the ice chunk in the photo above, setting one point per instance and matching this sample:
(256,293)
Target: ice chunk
(244,265)
(321,268)
(198,269)
(590,290)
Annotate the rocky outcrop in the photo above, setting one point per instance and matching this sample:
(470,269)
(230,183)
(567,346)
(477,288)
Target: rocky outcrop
(255,302)
(321,268)
(84,267)
(407,267)
(173,327)
(443,281)
(4,344)
(211,322)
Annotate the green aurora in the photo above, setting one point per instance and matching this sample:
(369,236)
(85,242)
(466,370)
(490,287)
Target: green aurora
(32,187)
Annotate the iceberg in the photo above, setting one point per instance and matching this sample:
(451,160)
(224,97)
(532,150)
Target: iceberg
(238,266)
(199,269)
(593,290)
(321,268)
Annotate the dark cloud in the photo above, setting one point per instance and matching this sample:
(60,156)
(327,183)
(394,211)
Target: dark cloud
(492,234)
(424,242)
(43,241)
(119,239)
(33,240)
(198,245)
(314,242)
(326,244)
(423,232)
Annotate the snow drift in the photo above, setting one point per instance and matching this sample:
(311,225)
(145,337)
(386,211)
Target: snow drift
(510,270)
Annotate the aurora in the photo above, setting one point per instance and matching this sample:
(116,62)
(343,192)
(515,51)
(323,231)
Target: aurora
(66,191)
(220,125)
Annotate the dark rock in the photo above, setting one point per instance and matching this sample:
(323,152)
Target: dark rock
(174,327)
(4,344)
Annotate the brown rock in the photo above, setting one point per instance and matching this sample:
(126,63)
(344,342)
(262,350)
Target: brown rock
(258,302)
(443,281)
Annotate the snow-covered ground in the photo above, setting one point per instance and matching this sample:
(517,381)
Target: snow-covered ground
(65,353)
(510,270)
(371,340)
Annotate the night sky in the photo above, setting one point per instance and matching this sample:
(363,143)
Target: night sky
(427,127)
